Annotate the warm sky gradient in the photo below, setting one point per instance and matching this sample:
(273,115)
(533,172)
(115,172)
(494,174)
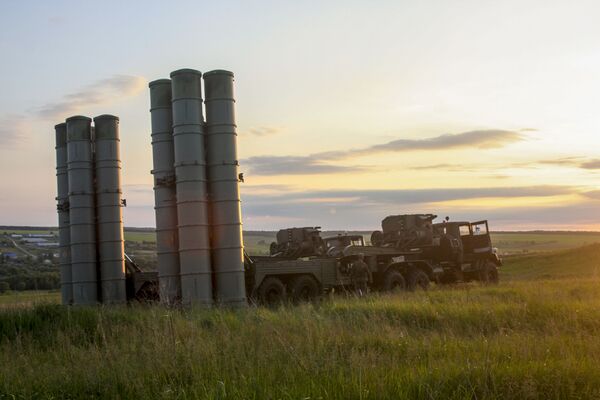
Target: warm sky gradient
(348,111)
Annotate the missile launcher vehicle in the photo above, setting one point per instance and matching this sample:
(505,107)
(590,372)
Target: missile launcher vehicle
(298,242)
(407,254)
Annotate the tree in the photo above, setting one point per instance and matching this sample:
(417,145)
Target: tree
(4,287)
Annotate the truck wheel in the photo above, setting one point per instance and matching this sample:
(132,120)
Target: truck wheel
(449,277)
(305,288)
(272,291)
(393,281)
(488,274)
(417,279)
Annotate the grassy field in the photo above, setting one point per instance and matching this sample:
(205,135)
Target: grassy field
(28,298)
(531,242)
(535,336)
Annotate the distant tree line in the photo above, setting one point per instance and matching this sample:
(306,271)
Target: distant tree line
(28,277)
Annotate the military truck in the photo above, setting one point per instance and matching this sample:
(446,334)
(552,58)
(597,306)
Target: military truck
(408,253)
(279,277)
(463,249)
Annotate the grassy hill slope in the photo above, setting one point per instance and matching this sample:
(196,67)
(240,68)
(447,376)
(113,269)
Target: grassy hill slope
(534,336)
(523,340)
(581,262)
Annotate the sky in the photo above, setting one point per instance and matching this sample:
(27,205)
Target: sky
(347,111)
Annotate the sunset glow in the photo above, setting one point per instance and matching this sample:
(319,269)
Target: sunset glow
(344,117)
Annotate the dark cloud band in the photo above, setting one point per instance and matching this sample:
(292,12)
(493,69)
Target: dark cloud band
(323,163)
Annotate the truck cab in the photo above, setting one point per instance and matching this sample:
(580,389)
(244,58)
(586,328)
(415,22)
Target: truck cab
(335,245)
(478,259)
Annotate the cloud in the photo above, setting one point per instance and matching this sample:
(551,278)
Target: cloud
(575,162)
(138,187)
(591,164)
(412,196)
(563,161)
(364,209)
(100,92)
(13,130)
(321,163)
(248,188)
(295,165)
(16,128)
(482,139)
(592,194)
(264,130)
(436,166)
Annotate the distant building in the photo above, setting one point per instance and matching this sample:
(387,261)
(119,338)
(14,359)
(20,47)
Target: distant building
(47,244)
(34,240)
(40,235)
(9,255)
(15,235)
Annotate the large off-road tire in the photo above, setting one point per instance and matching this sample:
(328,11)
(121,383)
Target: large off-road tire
(488,273)
(305,288)
(272,292)
(417,279)
(450,277)
(393,281)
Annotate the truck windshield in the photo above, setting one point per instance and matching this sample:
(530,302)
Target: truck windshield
(357,242)
(479,229)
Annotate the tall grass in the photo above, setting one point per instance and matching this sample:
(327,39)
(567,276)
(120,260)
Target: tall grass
(523,340)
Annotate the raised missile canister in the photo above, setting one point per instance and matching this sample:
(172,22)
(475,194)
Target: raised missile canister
(62,198)
(165,198)
(222,162)
(192,194)
(81,210)
(111,254)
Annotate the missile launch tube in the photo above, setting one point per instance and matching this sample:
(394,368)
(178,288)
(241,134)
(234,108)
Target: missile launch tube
(81,210)
(192,195)
(165,199)
(222,164)
(111,254)
(62,198)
